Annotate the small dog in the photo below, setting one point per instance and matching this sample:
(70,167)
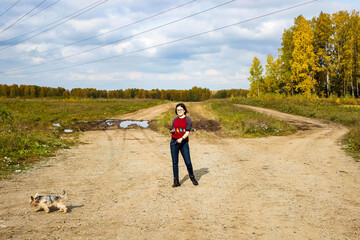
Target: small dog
(45,202)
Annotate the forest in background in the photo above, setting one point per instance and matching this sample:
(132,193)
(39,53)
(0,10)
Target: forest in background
(319,57)
(193,94)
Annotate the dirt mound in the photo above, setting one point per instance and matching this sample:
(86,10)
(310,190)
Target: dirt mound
(207,125)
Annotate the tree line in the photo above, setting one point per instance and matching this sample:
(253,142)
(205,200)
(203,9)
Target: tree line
(193,94)
(319,56)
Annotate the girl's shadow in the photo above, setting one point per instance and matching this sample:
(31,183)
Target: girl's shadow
(198,174)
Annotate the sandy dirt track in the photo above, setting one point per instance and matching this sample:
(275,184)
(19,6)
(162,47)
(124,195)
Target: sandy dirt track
(301,186)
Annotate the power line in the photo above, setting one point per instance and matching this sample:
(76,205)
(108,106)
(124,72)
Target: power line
(40,11)
(149,30)
(167,43)
(10,8)
(22,16)
(110,31)
(62,21)
(89,8)
(59,20)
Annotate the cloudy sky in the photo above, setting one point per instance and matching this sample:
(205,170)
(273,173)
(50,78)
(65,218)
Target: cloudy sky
(119,44)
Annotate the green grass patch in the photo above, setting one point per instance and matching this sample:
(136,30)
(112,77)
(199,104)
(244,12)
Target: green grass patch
(163,122)
(345,111)
(27,131)
(239,122)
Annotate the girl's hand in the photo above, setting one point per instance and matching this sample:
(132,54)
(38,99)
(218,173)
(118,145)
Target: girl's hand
(179,140)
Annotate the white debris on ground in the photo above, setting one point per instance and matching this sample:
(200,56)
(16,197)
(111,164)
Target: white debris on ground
(125,124)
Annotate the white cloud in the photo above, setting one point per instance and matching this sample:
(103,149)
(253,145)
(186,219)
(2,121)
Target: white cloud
(134,75)
(121,47)
(84,25)
(28,47)
(158,76)
(37,60)
(212,72)
(148,43)
(94,77)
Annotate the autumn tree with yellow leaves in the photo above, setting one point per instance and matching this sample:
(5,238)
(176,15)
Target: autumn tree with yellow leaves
(341,27)
(256,78)
(319,56)
(323,49)
(352,53)
(303,63)
(285,58)
(272,75)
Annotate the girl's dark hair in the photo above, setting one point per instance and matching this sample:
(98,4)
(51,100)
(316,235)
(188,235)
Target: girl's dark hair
(181,105)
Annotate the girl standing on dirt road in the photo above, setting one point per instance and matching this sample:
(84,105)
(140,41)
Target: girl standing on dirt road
(180,130)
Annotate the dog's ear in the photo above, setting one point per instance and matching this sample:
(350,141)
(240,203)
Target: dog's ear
(36,195)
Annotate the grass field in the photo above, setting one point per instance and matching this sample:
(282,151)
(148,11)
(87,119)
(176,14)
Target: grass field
(238,122)
(345,111)
(32,129)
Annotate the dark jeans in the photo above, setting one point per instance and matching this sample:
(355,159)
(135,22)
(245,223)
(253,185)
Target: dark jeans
(183,147)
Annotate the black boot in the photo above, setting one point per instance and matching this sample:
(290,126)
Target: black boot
(176,183)
(194,181)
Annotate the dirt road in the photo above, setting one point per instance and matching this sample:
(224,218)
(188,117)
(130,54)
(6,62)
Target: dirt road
(301,186)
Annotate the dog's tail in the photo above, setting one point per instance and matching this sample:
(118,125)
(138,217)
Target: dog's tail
(64,195)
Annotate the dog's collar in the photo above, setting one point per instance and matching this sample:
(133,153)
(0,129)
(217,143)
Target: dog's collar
(38,198)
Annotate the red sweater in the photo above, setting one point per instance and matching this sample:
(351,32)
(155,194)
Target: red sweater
(181,126)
